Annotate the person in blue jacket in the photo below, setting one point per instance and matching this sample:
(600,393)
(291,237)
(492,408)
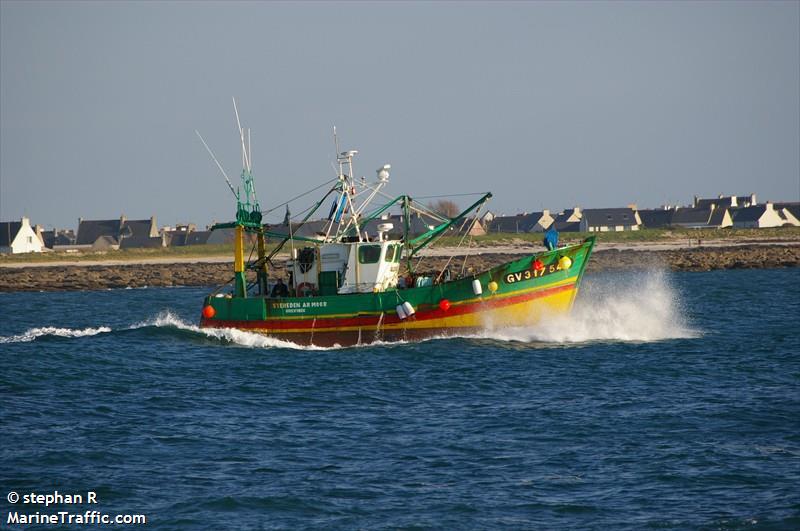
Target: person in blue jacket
(551,239)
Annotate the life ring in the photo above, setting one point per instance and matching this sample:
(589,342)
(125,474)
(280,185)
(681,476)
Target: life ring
(304,289)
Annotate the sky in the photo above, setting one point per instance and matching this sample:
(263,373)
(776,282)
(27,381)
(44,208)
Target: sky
(546,104)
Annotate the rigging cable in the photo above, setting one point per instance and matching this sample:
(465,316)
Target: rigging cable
(276,207)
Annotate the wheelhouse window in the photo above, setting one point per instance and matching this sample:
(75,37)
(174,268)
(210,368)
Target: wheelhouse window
(393,253)
(369,254)
(398,250)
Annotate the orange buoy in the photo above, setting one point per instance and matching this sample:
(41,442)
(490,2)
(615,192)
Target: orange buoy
(444,305)
(538,265)
(209,311)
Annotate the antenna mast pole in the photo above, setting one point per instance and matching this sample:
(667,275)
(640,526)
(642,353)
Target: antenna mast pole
(218,164)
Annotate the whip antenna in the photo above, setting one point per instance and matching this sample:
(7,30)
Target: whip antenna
(218,164)
(245,154)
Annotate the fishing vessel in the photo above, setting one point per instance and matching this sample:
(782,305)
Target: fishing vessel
(358,278)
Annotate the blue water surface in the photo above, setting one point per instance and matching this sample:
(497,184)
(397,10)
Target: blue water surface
(671,401)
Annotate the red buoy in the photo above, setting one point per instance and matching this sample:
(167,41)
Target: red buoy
(444,305)
(209,311)
(538,265)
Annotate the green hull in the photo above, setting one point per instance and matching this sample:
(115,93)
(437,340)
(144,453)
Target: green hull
(346,319)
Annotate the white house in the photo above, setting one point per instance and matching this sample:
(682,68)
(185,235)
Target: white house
(19,237)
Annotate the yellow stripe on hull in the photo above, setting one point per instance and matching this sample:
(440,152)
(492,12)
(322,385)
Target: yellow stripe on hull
(519,314)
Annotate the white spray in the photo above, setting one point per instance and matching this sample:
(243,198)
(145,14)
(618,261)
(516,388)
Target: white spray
(639,307)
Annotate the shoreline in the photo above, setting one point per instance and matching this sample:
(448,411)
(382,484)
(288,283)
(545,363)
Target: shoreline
(109,259)
(216,270)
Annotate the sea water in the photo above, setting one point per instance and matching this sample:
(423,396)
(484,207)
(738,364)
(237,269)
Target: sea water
(664,401)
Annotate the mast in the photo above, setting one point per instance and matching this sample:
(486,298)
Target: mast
(248,214)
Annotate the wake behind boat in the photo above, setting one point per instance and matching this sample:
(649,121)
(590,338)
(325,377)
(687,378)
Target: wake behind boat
(355,280)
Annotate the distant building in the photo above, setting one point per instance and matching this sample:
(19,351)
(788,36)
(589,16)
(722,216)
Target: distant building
(522,223)
(176,237)
(112,234)
(758,217)
(658,218)
(221,236)
(197,237)
(790,212)
(729,201)
(56,238)
(183,235)
(609,220)
(19,237)
(701,218)
(720,218)
(568,220)
(98,234)
(140,233)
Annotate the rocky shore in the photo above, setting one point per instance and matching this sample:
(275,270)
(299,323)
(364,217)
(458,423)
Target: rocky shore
(92,277)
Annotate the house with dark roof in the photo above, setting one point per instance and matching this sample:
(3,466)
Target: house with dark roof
(691,218)
(757,217)
(720,218)
(140,233)
(105,234)
(568,220)
(183,235)
(609,220)
(222,236)
(658,218)
(197,237)
(790,212)
(566,226)
(98,233)
(521,223)
(20,237)
(729,201)
(569,215)
(57,238)
(176,237)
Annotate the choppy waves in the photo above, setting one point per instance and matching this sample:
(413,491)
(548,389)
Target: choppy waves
(225,335)
(164,320)
(33,334)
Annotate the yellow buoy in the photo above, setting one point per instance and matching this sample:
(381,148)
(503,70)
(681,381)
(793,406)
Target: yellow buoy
(565,262)
(492,286)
